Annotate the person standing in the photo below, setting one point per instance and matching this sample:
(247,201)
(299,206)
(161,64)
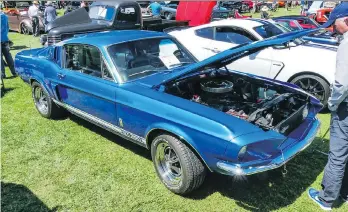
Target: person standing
(33,14)
(264,12)
(335,180)
(50,14)
(5,47)
(156,9)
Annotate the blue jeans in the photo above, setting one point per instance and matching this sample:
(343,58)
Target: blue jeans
(5,53)
(335,181)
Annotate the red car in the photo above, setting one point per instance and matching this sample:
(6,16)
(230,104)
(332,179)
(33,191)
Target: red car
(322,16)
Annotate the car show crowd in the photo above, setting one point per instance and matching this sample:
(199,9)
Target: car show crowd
(208,30)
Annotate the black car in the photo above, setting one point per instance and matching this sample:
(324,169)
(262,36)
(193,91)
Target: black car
(104,16)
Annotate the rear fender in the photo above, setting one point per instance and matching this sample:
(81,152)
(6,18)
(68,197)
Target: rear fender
(27,23)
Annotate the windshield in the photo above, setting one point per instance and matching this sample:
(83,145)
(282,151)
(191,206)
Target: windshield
(288,24)
(21,5)
(270,30)
(140,58)
(102,12)
(220,14)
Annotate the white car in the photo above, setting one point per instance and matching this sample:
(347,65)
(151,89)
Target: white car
(310,66)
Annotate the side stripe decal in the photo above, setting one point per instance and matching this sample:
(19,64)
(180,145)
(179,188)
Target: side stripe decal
(115,129)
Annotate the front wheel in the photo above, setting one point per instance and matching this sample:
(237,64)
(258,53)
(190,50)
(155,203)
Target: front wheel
(168,16)
(314,85)
(44,104)
(176,165)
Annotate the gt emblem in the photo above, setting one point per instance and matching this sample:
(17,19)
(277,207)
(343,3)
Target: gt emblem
(120,122)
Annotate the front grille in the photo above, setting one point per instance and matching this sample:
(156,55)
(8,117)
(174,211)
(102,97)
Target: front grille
(51,40)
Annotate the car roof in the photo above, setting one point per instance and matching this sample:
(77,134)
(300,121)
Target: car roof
(102,39)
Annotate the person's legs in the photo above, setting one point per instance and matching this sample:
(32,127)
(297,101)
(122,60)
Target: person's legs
(37,25)
(5,51)
(33,25)
(3,75)
(344,189)
(335,169)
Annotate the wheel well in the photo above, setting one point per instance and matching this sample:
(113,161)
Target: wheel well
(32,81)
(154,133)
(308,73)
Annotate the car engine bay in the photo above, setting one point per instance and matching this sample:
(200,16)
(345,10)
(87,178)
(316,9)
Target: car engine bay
(264,104)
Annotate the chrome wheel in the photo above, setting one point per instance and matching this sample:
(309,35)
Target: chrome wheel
(40,99)
(24,29)
(313,87)
(168,164)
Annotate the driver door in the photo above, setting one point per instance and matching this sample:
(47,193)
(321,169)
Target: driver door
(258,63)
(85,84)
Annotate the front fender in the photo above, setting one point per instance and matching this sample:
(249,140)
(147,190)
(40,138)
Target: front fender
(208,147)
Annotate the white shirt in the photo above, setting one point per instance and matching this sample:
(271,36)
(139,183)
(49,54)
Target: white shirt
(33,11)
(339,89)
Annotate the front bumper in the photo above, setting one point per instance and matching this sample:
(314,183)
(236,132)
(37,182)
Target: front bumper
(288,154)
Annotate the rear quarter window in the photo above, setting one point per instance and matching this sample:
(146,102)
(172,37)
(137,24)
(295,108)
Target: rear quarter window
(205,33)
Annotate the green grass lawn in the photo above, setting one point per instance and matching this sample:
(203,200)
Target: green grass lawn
(71,165)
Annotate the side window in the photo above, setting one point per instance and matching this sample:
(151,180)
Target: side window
(127,14)
(86,59)
(230,35)
(205,33)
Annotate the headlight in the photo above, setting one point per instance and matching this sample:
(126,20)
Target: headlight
(242,152)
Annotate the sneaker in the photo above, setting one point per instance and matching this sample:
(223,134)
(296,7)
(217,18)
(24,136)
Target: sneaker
(314,195)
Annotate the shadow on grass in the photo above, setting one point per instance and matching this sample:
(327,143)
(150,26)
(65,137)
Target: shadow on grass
(15,197)
(135,148)
(5,90)
(263,192)
(19,47)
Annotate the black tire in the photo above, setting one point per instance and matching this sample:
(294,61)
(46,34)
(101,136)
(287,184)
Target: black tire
(314,79)
(168,16)
(192,169)
(48,109)
(24,29)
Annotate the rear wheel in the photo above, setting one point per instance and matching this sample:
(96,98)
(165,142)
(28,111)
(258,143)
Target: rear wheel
(176,165)
(314,85)
(23,29)
(44,104)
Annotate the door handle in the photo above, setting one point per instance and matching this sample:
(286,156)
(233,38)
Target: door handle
(61,76)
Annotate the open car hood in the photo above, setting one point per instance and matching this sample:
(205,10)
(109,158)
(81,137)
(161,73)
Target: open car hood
(228,56)
(78,16)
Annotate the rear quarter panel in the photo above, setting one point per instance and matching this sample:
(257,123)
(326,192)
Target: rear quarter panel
(30,66)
